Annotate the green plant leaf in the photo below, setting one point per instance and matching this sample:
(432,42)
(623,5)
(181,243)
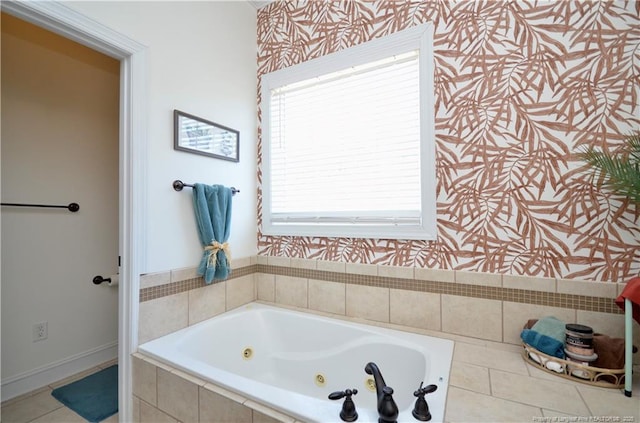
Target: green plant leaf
(619,171)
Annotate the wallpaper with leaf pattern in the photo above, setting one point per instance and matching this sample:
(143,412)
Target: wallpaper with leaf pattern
(520,87)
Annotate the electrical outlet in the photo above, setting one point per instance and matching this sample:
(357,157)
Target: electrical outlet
(40,331)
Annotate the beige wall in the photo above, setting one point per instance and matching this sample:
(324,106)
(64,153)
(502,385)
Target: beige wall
(60,111)
(200,59)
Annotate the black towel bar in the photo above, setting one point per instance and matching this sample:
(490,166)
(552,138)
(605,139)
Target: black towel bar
(178,185)
(72,207)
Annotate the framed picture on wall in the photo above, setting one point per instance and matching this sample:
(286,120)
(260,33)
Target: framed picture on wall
(200,136)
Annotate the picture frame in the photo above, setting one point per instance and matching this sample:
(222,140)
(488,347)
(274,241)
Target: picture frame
(196,135)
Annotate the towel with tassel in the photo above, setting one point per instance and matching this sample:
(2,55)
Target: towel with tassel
(212,207)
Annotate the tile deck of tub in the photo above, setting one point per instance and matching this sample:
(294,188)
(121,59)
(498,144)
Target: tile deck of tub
(489,382)
(492,383)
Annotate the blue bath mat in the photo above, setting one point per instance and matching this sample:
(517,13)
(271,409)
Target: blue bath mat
(95,397)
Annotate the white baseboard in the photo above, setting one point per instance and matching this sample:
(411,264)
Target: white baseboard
(53,372)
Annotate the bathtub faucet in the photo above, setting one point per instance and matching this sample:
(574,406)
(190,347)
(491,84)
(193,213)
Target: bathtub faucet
(387,408)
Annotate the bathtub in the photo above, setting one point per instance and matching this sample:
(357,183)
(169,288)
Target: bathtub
(291,361)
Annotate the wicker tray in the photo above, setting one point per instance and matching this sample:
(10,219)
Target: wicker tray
(605,378)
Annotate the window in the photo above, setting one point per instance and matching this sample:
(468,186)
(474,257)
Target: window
(348,144)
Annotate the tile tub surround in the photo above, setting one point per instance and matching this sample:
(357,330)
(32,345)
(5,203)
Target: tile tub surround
(486,358)
(166,394)
(489,382)
(486,306)
(172,300)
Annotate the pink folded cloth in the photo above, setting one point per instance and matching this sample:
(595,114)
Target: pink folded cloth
(632,292)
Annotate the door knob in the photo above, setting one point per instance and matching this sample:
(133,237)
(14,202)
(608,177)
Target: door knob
(99,279)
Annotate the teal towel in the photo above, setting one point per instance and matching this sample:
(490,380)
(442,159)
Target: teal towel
(551,327)
(547,336)
(543,343)
(212,207)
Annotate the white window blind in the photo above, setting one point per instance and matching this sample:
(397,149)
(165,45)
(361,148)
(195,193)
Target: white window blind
(346,151)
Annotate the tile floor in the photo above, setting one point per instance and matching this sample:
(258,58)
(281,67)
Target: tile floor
(489,382)
(40,407)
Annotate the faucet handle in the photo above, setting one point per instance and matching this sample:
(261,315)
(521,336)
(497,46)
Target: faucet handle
(421,408)
(341,394)
(426,390)
(348,412)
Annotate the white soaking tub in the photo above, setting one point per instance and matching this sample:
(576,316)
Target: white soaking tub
(291,361)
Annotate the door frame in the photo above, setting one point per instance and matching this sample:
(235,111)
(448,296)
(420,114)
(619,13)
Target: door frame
(71,24)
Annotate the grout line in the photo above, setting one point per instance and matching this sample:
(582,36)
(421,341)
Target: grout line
(585,402)
(490,385)
(345,299)
(509,400)
(573,385)
(49,412)
(225,297)
(308,294)
(189,309)
(441,316)
(389,305)
(24,396)
(502,321)
(157,378)
(255,286)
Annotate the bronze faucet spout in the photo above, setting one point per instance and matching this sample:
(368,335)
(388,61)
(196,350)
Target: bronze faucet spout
(372,369)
